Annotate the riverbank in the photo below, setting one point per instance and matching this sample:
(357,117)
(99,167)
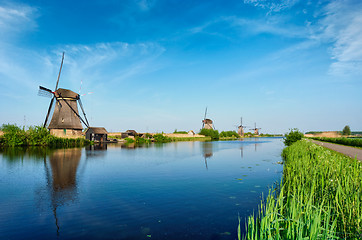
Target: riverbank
(319,197)
(14,136)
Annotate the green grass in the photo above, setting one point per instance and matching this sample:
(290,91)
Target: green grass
(36,136)
(180,139)
(353,142)
(320,198)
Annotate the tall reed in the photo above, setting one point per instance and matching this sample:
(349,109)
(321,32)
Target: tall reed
(320,198)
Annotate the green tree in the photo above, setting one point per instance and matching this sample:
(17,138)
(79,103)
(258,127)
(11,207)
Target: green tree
(214,134)
(293,136)
(346,130)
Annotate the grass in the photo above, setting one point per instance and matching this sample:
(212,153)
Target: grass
(36,136)
(320,198)
(353,142)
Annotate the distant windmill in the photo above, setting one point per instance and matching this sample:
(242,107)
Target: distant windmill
(207,123)
(256,130)
(241,127)
(66,120)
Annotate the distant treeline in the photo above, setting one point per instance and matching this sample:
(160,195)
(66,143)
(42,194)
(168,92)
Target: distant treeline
(35,136)
(354,142)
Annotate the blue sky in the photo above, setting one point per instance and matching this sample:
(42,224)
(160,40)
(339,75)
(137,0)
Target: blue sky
(155,65)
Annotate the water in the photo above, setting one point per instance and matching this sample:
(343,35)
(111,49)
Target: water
(182,190)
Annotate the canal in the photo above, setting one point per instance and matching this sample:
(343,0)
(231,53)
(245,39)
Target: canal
(178,190)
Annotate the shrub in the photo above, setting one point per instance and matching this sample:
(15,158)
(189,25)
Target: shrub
(293,136)
(214,134)
(160,138)
(229,134)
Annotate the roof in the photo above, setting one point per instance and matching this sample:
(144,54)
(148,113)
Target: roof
(97,130)
(66,93)
(207,121)
(131,131)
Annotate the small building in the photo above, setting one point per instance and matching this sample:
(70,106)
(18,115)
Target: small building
(191,133)
(98,134)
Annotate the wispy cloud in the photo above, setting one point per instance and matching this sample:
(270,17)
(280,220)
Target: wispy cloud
(342,25)
(252,27)
(272,5)
(17,17)
(114,62)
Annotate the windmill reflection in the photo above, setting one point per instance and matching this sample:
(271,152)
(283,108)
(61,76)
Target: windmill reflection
(62,178)
(207,151)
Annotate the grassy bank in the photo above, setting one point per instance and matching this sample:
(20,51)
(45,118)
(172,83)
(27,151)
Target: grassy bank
(320,198)
(35,136)
(353,142)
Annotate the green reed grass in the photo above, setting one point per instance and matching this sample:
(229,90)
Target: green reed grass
(320,198)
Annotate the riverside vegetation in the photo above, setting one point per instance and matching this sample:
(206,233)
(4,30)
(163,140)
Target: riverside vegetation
(14,136)
(353,142)
(320,197)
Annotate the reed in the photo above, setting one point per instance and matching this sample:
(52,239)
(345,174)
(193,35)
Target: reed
(319,198)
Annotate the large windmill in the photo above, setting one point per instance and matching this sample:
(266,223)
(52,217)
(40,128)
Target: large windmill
(256,130)
(207,123)
(66,121)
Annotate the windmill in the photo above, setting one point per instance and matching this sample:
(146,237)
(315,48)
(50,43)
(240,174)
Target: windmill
(207,123)
(241,127)
(256,130)
(66,121)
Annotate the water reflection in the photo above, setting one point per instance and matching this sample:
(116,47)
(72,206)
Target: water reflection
(61,178)
(207,151)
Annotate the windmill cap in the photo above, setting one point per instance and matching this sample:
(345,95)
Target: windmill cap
(66,93)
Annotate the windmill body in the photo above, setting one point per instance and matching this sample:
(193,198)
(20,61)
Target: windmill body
(66,121)
(241,128)
(208,124)
(256,130)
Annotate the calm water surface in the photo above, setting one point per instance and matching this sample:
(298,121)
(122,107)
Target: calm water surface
(182,190)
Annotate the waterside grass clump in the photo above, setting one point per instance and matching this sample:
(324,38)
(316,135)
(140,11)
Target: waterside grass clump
(14,136)
(320,198)
(353,142)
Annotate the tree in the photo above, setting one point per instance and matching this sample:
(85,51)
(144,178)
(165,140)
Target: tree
(293,136)
(346,130)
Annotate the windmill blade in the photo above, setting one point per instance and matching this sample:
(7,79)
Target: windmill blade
(49,109)
(65,100)
(81,106)
(60,70)
(45,92)
(203,121)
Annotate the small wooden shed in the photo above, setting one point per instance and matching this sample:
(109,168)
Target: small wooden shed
(98,134)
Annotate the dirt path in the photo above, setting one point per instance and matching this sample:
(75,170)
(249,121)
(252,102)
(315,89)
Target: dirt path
(346,150)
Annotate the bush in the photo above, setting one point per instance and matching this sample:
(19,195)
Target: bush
(160,138)
(293,136)
(179,132)
(229,134)
(214,134)
(36,136)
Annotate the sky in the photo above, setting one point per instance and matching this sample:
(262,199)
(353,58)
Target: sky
(154,65)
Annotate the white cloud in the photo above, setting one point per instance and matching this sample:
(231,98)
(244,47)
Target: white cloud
(342,26)
(17,18)
(272,5)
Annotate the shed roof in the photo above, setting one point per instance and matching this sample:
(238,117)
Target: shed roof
(131,131)
(97,130)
